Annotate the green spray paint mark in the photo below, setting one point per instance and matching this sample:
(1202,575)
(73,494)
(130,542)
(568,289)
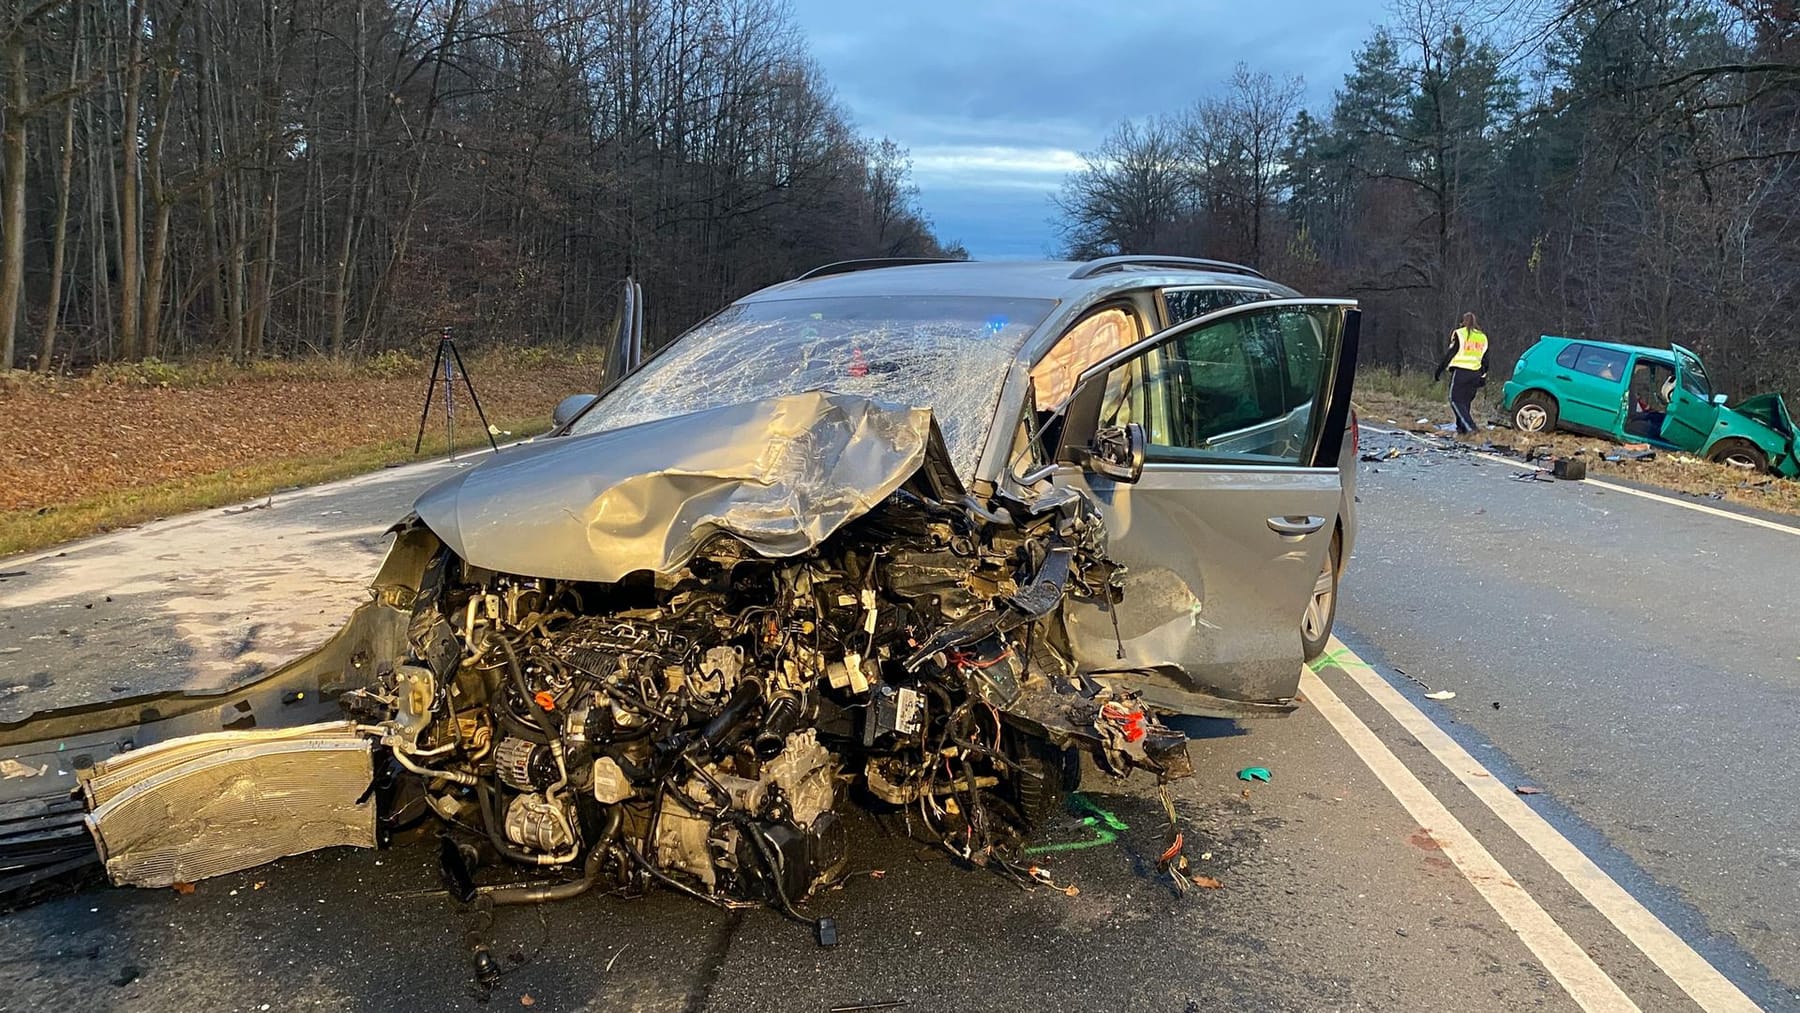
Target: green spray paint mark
(1341,657)
(1104,826)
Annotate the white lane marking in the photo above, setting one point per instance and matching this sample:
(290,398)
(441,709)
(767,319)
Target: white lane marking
(1629,491)
(1566,961)
(1687,968)
(1758,521)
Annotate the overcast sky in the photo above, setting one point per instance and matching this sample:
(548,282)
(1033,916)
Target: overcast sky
(995,98)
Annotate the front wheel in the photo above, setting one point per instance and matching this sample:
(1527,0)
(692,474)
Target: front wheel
(1321,608)
(1739,454)
(1535,412)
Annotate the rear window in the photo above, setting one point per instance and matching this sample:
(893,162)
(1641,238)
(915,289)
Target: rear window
(1567,359)
(1605,363)
(1187,303)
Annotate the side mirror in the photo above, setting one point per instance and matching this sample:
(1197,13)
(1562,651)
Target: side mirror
(1117,452)
(1719,399)
(569,407)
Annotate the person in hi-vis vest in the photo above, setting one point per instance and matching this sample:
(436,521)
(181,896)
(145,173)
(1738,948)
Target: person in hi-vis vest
(1466,358)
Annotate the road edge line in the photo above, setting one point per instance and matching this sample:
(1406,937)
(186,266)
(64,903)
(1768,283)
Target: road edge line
(1684,965)
(1564,959)
(1703,508)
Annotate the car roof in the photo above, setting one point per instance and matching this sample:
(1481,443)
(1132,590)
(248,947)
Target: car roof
(1015,279)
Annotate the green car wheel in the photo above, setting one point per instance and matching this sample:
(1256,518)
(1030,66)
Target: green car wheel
(1535,412)
(1739,454)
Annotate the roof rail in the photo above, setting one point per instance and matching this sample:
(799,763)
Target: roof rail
(1105,264)
(870,264)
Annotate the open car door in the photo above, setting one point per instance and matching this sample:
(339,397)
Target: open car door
(1692,414)
(1224,533)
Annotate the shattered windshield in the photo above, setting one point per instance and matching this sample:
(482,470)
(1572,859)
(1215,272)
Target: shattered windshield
(946,353)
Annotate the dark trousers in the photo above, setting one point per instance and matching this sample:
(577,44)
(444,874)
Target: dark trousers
(1463,385)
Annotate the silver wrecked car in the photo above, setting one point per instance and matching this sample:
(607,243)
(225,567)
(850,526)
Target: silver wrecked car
(920,531)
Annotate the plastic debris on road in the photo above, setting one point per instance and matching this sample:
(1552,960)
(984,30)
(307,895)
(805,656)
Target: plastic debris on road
(1254,774)
(1442,694)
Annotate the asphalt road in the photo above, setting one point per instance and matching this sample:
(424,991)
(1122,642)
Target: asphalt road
(1645,660)
(1638,652)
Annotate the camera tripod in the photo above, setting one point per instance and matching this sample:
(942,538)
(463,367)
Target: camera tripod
(447,367)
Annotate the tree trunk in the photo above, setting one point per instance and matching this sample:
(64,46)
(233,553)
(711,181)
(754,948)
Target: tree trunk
(156,268)
(131,346)
(340,293)
(12,202)
(64,177)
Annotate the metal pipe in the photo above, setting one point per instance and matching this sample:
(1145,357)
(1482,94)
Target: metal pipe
(590,871)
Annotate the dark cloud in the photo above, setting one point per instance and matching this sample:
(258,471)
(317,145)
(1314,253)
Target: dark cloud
(995,97)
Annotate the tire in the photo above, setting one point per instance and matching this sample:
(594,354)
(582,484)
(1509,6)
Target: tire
(1321,608)
(1739,454)
(1046,776)
(1534,412)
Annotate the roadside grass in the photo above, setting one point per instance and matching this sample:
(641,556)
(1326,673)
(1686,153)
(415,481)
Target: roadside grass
(1399,385)
(393,363)
(26,530)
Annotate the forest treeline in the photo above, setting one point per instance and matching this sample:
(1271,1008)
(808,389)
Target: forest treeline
(263,178)
(1623,170)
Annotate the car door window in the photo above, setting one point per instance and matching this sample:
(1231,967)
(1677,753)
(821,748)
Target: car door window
(1693,378)
(1604,363)
(1567,359)
(1184,304)
(1241,389)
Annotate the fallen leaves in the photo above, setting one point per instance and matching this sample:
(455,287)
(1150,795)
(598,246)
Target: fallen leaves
(1526,789)
(1206,883)
(56,448)
(184,888)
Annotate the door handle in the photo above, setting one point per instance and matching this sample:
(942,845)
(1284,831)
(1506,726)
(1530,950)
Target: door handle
(1294,527)
(1565,379)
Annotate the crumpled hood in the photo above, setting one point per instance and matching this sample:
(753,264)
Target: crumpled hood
(780,474)
(1770,410)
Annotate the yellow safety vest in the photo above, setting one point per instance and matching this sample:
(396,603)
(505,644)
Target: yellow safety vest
(1471,350)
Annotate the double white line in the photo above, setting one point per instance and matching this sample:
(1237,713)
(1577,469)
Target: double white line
(1566,961)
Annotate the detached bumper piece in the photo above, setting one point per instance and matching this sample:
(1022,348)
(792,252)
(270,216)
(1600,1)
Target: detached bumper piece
(207,805)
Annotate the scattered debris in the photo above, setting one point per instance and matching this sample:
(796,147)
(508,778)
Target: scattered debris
(1442,694)
(1526,789)
(264,505)
(1569,469)
(183,888)
(1254,774)
(127,974)
(11,768)
(860,1007)
(1207,883)
(13,573)
(527,1000)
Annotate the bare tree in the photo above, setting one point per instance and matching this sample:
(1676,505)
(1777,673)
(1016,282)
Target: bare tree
(1134,187)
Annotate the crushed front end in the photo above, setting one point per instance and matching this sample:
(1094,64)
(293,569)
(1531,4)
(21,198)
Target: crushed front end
(833,617)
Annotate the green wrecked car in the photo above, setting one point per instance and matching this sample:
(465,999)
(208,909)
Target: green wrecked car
(1647,395)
